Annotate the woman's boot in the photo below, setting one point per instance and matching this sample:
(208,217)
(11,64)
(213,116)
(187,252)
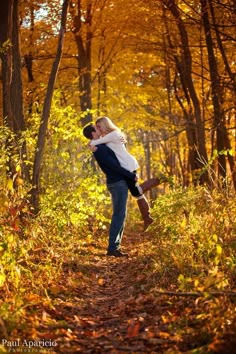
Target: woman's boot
(145,211)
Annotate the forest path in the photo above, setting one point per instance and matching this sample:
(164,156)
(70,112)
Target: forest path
(103,305)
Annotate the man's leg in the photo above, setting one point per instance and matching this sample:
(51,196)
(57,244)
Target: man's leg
(119,195)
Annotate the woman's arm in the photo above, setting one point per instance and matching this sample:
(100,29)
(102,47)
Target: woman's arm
(112,137)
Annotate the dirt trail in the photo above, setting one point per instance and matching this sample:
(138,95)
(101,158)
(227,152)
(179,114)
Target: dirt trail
(112,305)
(100,306)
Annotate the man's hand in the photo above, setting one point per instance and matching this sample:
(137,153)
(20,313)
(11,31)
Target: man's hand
(93,148)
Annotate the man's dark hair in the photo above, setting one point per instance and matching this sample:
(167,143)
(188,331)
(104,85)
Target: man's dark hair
(88,130)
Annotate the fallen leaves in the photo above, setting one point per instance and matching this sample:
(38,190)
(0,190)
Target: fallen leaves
(101,281)
(102,305)
(133,328)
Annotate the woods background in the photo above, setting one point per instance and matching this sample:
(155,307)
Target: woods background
(164,71)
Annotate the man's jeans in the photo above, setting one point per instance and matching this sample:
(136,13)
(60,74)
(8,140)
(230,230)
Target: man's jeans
(119,196)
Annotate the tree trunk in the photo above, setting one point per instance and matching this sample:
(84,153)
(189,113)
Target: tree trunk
(6,57)
(219,124)
(28,62)
(232,79)
(46,112)
(83,42)
(12,83)
(184,66)
(17,92)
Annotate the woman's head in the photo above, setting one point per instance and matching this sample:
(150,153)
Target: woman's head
(105,125)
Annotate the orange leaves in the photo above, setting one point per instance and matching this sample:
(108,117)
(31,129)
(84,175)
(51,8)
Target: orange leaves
(133,328)
(101,281)
(33,298)
(95,304)
(13,214)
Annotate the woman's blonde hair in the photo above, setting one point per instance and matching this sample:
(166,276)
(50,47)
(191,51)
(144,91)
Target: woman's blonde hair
(107,125)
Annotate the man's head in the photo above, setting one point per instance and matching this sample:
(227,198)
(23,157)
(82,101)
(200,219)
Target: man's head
(90,132)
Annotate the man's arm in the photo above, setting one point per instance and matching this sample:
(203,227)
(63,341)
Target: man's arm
(109,159)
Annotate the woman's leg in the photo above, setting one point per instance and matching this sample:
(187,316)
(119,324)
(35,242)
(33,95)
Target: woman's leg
(143,204)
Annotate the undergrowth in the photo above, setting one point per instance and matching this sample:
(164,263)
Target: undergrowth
(195,235)
(192,249)
(33,249)
(192,253)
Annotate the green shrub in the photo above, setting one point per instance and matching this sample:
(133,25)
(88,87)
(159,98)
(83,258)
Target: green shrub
(195,233)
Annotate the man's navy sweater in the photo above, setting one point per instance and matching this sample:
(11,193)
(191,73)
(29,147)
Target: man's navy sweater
(110,165)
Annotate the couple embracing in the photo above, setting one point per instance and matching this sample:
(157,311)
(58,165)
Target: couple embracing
(120,168)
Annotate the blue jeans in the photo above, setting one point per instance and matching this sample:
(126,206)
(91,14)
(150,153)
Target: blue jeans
(119,196)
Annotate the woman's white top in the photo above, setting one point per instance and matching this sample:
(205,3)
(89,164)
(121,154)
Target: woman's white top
(114,141)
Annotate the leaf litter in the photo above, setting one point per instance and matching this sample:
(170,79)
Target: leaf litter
(109,305)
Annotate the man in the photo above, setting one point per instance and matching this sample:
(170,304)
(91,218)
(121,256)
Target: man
(116,177)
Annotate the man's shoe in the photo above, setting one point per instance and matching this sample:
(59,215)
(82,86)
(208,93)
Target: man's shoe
(117,253)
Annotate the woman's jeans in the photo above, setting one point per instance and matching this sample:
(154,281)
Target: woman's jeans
(119,196)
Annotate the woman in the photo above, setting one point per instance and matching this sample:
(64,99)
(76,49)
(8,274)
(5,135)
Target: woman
(112,136)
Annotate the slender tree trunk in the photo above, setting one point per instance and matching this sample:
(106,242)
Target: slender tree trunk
(189,125)
(17,93)
(221,47)
(28,62)
(6,58)
(232,79)
(12,83)
(102,76)
(184,65)
(83,42)
(219,124)
(46,112)
(191,138)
